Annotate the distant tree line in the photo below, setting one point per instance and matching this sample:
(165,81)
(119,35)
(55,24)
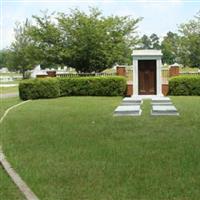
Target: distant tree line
(92,42)
(181,47)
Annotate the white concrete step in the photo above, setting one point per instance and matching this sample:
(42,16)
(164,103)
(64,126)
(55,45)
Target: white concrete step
(164,110)
(161,100)
(130,104)
(133,110)
(137,100)
(162,103)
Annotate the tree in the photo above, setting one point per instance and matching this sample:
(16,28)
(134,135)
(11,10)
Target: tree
(94,42)
(155,41)
(151,42)
(190,42)
(145,42)
(170,46)
(4,58)
(47,37)
(86,42)
(24,53)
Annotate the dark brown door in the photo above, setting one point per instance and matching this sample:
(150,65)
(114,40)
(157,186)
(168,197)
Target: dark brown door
(147,77)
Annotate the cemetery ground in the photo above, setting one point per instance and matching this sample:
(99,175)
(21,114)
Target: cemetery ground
(73,148)
(12,89)
(8,90)
(8,190)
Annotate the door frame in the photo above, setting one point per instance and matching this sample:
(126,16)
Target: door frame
(147,55)
(155,76)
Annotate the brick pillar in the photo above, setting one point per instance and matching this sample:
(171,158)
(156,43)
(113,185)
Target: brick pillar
(121,71)
(165,89)
(129,89)
(174,70)
(51,73)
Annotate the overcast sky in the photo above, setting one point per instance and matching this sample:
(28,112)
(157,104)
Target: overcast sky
(159,16)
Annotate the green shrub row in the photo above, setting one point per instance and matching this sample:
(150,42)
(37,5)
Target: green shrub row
(186,85)
(85,86)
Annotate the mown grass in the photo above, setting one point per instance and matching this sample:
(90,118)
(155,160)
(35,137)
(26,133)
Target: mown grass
(7,90)
(6,103)
(8,190)
(73,148)
(10,74)
(189,69)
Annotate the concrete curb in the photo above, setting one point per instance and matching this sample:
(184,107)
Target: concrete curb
(7,111)
(23,187)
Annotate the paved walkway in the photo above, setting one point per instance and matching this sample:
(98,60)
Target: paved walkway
(8,95)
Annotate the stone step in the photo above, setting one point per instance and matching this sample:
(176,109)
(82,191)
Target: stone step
(161,104)
(133,110)
(130,104)
(164,110)
(160,99)
(137,100)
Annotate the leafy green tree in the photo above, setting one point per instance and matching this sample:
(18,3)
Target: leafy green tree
(151,42)
(94,42)
(169,47)
(46,35)
(145,42)
(24,53)
(155,41)
(4,58)
(86,42)
(190,42)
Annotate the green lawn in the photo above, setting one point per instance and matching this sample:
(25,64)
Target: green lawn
(189,69)
(73,148)
(8,190)
(6,90)
(6,103)
(11,82)
(10,74)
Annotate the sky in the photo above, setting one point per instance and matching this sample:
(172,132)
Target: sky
(159,16)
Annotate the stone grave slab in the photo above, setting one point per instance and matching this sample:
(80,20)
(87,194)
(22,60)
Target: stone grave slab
(161,103)
(137,100)
(133,110)
(160,99)
(164,110)
(130,104)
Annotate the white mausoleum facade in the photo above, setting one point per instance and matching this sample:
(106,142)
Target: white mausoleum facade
(147,72)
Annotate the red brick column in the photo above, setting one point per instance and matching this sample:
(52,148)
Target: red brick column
(129,89)
(174,70)
(121,71)
(165,89)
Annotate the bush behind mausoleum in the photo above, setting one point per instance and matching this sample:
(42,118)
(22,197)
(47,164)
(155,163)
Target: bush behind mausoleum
(186,85)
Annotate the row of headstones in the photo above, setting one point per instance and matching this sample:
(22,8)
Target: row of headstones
(132,107)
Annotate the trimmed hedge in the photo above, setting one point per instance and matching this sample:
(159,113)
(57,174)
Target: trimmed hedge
(186,85)
(39,88)
(92,86)
(78,86)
